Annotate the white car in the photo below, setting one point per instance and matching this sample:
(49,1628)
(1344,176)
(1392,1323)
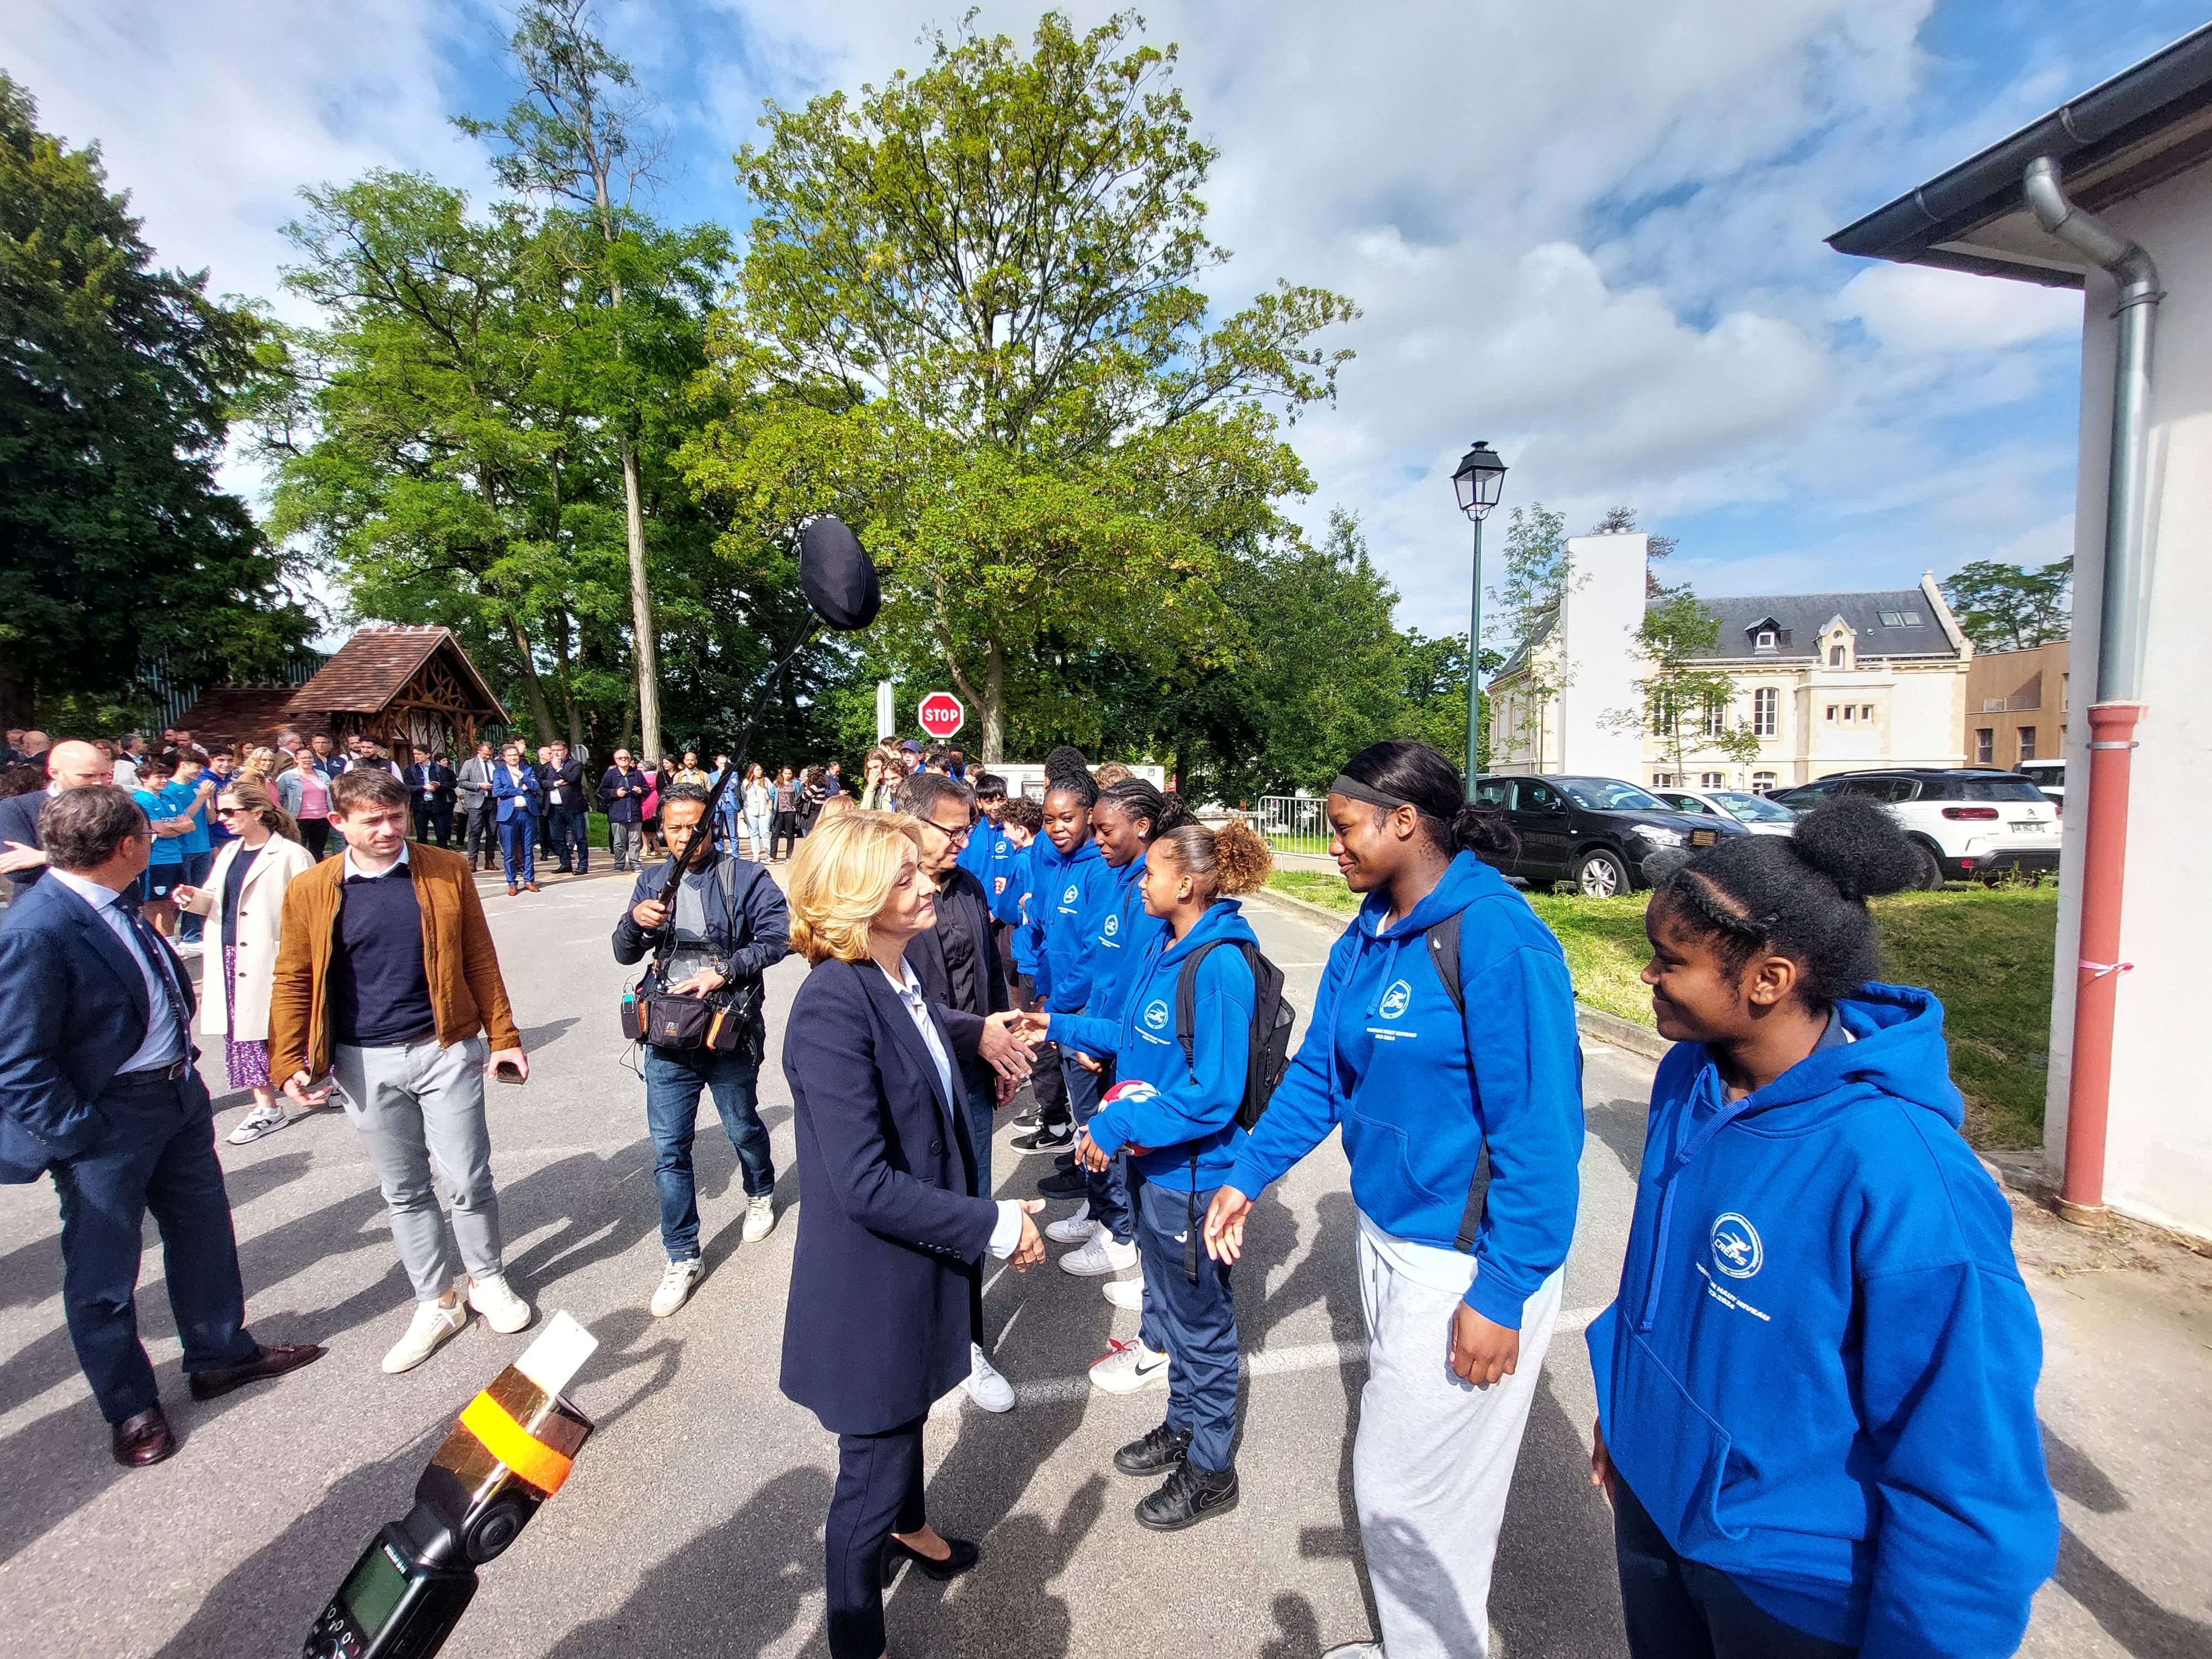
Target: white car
(2049,776)
(1970,823)
(1756,813)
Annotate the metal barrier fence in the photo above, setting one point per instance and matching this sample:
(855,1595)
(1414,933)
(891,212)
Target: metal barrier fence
(1292,823)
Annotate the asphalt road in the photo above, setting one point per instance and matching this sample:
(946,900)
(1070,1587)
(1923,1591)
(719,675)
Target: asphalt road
(692,1524)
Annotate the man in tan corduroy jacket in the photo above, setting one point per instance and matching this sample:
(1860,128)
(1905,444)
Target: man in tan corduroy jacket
(386,983)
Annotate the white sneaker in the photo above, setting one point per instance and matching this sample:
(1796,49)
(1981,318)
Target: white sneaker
(1072,1229)
(1101,1256)
(760,1218)
(1125,1292)
(503,1311)
(985,1386)
(1354,1650)
(433,1324)
(677,1283)
(1129,1366)
(261,1121)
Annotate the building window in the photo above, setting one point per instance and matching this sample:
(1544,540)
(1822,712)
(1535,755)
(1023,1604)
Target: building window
(1715,721)
(1866,711)
(1832,711)
(1849,710)
(2028,743)
(1765,641)
(1835,656)
(1762,783)
(1712,781)
(1985,745)
(1662,780)
(1766,711)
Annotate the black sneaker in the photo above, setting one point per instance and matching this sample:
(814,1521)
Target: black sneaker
(1188,1497)
(1068,1183)
(1029,1120)
(1161,1449)
(1065,1161)
(1047,1138)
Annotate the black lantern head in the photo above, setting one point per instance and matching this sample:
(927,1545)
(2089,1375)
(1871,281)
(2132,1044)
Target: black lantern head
(1479,481)
(834,575)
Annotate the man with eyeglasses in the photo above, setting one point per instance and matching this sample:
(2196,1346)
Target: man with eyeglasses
(957,964)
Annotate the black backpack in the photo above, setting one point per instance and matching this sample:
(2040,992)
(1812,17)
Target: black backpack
(1271,1019)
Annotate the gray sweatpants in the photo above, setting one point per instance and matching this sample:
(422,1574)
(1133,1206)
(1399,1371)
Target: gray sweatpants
(420,1109)
(1433,1461)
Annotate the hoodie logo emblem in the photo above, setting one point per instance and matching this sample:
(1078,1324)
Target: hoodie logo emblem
(1155,1015)
(1068,897)
(1113,925)
(1396,1001)
(1736,1250)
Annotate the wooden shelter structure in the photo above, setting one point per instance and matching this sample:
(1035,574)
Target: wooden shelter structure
(401,685)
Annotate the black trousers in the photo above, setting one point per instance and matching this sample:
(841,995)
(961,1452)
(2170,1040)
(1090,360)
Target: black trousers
(434,821)
(879,1492)
(315,834)
(570,828)
(157,1156)
(1049,1085)
(782,836)
(1678,1609)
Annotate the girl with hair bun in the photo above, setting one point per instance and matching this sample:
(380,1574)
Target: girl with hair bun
(1173,1112)
(1444,1030)
(1816,1386)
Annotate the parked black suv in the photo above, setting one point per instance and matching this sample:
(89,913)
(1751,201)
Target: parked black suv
(1604,835)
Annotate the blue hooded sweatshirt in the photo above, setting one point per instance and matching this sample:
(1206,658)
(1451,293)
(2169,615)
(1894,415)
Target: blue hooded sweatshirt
(1011,904)
(1126,934)
(1073,896)
(1192,1105)
(1420,1088)
(1818,1375)
(982,847)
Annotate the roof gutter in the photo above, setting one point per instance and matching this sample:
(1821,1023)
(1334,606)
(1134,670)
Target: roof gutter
(2117,706)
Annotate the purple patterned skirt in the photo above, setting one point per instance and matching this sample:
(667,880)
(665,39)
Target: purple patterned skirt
(247,1061)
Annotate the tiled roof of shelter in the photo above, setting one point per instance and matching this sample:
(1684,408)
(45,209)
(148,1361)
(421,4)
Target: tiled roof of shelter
(374,667)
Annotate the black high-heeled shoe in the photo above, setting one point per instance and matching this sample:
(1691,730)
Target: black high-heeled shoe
(964,1556)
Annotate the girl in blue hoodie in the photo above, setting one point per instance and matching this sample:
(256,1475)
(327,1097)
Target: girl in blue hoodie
(1074,891)
(1460,1254)
(1173,1110)
(1816,1387)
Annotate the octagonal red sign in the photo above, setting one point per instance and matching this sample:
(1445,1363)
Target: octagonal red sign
(941,715)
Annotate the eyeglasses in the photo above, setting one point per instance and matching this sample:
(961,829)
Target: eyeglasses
(234,811)
(948,833)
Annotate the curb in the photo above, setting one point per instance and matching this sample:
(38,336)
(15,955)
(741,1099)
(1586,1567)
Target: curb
(1594,1022)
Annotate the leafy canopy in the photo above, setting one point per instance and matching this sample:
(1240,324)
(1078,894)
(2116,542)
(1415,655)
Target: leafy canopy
(2008,607)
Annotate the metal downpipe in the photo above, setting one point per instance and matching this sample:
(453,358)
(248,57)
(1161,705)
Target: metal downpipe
(2118,704)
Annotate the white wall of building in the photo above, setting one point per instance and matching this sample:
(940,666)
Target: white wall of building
(2159,1151)
(1598,707)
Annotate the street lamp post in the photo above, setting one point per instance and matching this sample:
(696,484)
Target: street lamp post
(1479,481)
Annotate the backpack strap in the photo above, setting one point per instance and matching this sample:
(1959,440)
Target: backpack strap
(1186,1011)
(1443,952)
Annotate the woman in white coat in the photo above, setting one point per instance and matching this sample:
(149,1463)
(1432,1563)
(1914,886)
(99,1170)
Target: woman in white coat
(244,896)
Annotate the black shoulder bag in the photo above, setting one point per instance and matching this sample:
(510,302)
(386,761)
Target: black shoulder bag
(720,1022)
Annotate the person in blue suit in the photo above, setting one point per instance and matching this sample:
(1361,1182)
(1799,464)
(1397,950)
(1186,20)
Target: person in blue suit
(1444,1044)
(515,790)
(1816,1387)
(885,1276)
(97,1087)
(1173,1111)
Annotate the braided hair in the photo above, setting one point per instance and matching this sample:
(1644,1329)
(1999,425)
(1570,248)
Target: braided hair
(1803,897)
(1137,799)
(1066,769)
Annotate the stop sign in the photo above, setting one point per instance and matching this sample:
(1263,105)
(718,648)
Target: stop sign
(941,715)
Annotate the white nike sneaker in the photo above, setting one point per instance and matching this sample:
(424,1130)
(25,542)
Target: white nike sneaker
(433,1324)
(760,1218)
(1101,1256)
(677,1280)
(1072,1229)
(985,1386)
(503,1311)
(1125,1292)
(1129,1366)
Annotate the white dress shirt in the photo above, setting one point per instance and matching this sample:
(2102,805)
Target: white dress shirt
(165,1043)
(397,867)
(1007,1235)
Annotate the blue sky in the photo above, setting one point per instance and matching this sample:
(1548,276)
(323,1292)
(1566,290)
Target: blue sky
(1590,231)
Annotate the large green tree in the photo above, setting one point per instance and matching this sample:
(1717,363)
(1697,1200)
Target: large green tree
(117,385)
(2008,607)
(969,321)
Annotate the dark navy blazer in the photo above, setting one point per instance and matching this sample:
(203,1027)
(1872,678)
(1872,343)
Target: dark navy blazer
(72,1009)
(19,821)
(887,1269)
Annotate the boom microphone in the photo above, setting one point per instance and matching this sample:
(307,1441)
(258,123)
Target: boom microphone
(836,575)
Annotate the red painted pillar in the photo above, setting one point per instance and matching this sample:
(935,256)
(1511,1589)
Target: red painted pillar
(2096,987)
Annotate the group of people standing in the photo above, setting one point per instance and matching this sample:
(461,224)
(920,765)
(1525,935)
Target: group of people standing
(1816,1385)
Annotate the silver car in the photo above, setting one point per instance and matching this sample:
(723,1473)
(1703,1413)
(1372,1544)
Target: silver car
(1756,813)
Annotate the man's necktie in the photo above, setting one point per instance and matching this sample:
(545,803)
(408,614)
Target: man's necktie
(156,955)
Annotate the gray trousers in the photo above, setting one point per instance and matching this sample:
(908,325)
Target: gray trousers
(626,841)
(420,1109)
(1433,1461)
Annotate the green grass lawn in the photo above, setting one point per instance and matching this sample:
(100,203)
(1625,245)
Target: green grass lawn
(1986,952)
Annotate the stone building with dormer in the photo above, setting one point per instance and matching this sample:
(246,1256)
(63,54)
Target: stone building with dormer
(1824,682)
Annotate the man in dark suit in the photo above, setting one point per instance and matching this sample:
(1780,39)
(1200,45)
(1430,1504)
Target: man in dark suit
(97,1084)
(70,765)
(430,783)
(567,809)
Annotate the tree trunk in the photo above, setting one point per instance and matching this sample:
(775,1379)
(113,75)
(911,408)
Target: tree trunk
(533,688)
(640,607)
(994,704)
(568,679)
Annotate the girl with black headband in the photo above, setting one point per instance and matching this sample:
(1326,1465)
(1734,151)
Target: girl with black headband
(1442,1042)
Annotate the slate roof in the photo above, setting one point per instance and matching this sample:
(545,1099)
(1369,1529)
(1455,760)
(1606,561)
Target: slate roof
(245,714)
(1799,617)
(372,668)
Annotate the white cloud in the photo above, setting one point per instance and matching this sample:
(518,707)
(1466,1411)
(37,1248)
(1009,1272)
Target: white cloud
(1913,309)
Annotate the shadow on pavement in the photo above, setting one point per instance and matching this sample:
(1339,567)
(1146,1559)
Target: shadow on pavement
(1555,1589)
(2130,1617)
(1620,1124)
(1003,1606)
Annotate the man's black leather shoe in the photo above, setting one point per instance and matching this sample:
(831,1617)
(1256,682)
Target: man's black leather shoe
(144,1439)
(270,1359)
(1189,1496)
